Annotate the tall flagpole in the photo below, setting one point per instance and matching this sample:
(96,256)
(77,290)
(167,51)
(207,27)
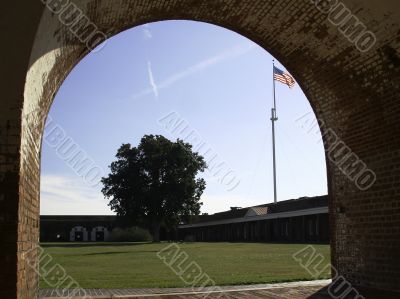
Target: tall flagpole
(273,120)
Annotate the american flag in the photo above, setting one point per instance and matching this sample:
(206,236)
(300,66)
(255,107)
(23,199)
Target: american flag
(283,77)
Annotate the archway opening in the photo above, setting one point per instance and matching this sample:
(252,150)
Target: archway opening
(221,92)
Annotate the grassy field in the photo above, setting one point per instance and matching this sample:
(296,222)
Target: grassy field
(135,265)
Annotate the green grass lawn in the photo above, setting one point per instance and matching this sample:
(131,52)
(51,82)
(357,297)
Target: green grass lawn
(136,265)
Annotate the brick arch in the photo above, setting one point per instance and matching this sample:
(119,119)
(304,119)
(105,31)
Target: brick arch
(353,93)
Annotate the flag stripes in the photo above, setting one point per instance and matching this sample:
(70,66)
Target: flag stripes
(283,77)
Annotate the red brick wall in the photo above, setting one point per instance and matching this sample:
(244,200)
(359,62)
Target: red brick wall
(354,93)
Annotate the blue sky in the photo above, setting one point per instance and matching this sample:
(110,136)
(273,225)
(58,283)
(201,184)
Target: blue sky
(219,82)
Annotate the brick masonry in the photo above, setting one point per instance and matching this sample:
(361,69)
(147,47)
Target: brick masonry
(356,94)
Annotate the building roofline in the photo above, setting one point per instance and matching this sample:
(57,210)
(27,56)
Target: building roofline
(312,211)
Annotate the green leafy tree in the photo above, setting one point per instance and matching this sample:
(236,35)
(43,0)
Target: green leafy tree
(155,183)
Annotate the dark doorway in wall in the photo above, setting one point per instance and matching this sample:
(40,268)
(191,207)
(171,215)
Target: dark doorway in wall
(78,236)
(99,236)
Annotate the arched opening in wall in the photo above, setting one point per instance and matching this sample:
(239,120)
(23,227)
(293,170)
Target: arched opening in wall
(213,89)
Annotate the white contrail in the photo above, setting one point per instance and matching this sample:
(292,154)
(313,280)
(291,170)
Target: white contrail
(198,67)
(153,84)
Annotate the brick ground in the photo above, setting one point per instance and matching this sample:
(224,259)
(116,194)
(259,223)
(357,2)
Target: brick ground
(298,290)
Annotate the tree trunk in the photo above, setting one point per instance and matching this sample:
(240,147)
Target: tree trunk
(155,232)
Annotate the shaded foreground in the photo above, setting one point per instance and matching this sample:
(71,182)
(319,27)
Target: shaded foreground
(136,265)
(317,289)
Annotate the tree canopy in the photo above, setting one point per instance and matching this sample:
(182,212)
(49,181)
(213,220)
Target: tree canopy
(155,183)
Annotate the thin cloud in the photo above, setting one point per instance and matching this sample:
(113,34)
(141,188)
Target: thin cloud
(153,84)
(147,33)
(70,195)
(197,68)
